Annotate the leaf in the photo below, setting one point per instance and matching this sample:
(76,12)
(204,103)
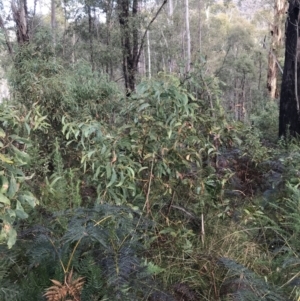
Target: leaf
(113,178)
(20,211)
(121,181)
(4,199)
(3,184)
(143,107)
(13,187)
(8,234)
(2,133)
(22,156)
(5,159)
(12,237)
(108,170)
(29,198)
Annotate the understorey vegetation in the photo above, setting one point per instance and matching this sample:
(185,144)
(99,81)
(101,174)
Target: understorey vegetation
(156,196)
(166,192)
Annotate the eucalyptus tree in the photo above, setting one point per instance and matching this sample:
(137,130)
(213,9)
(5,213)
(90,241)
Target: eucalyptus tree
(277,37)
(132,41)
(20,16)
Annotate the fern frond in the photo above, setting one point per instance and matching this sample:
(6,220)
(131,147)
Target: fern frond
(244,285)
(60,291)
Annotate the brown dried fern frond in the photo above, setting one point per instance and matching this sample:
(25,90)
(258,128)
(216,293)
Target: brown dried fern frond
(71,288)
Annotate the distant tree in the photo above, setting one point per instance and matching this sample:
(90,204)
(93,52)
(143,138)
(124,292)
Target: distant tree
(132,44)
(289,115)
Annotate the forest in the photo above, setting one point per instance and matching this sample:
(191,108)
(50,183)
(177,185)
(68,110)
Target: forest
(149,150)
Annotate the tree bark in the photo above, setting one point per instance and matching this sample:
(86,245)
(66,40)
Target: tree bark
(149,54)
(289,115)
(53,22)
(188,37)
(276,44)
(131,46)
(91,37)
(20,15)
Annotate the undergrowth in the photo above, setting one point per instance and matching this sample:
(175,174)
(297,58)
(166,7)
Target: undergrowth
(158,196)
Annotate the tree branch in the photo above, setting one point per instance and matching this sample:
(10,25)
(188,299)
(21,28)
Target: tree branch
(147,28)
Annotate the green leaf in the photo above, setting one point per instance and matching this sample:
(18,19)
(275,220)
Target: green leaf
(4,199)
(143,107)
(113,178)
(29,198)
(121,181)
(22,156)
(5,159)
(108,170)
(20,211)
(12,237)
(154,269)
(3,184)
(13,187)
(2,133)
(8,234)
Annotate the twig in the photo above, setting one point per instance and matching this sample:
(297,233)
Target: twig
(202,228)
(147,202)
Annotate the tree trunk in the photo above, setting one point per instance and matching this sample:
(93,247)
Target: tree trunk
(91,37)
(289,116)
(53,23)
(188,37)
(73,57)
(170,10)
(276,44)
(131,46)
(199,27)
(149,54)
(125,40)
(20,15)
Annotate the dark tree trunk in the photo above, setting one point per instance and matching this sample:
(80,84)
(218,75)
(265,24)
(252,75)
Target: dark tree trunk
(129,40)
(131,45)
(91,37)
(289,115)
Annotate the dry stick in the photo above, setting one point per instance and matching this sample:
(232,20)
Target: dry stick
(202,228)
(171,203)
(72,255)
(60,261)
(147,202)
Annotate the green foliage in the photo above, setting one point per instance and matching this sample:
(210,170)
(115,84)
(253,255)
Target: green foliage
(103,245)
(13,163)
(252,145)
(266,121)
(242,284)
(8,291)
(165,139)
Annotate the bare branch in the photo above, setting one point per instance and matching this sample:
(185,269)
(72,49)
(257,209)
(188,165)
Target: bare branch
(147,28)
